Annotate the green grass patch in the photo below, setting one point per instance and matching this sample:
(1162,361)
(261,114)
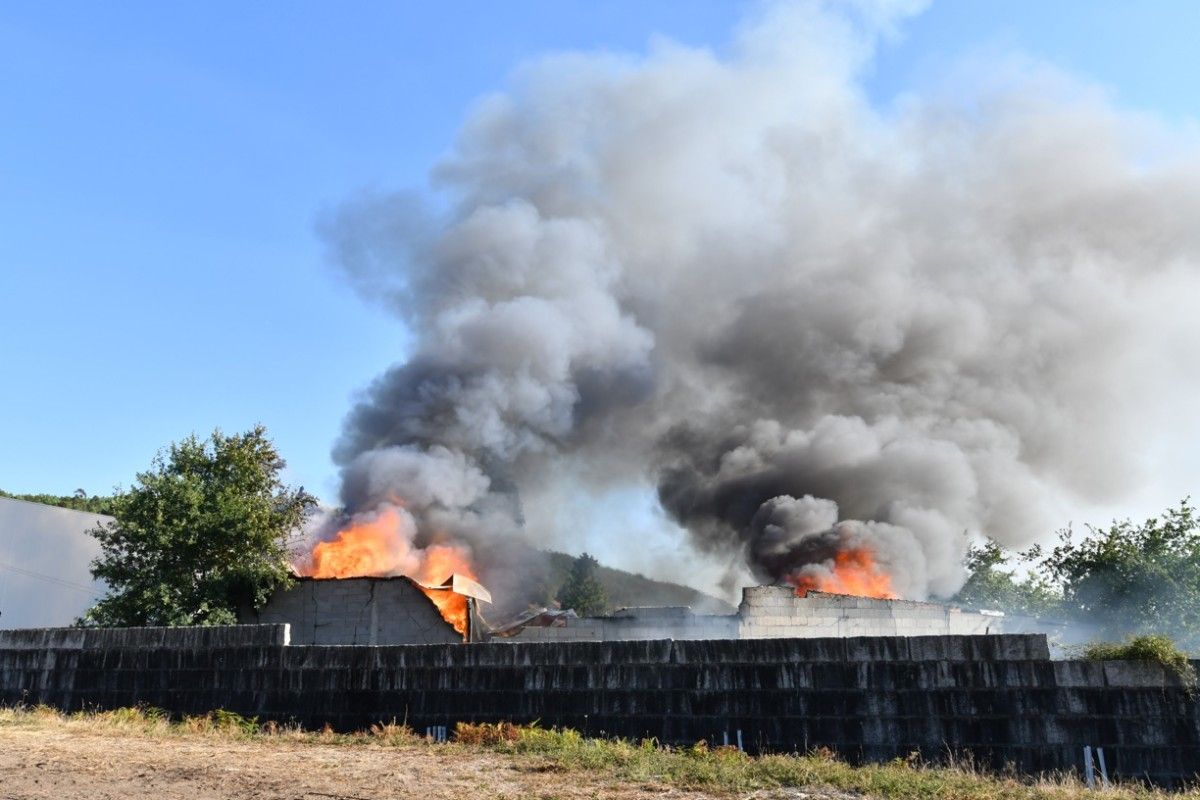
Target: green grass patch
(728,770)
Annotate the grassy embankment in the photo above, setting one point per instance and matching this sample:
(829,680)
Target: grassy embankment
(718,770)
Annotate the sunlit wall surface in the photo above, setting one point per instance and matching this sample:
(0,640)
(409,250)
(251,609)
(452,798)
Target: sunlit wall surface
(44,557)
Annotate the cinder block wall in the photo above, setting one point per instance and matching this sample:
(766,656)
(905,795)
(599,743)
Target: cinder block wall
(998,698)
(371,611)
(776,611)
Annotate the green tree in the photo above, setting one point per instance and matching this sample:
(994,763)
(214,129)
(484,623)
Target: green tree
(1134,579)
(582,590)
(199,533)
(990,586)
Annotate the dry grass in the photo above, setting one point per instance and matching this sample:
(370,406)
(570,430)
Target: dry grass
(714,770)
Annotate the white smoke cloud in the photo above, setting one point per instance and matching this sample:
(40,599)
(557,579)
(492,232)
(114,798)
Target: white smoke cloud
(735,280)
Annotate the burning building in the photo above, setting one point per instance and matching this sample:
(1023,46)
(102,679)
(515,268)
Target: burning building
(368,582)
(773,612)
(722,284)
(399,610)
(371,579)
(376,611)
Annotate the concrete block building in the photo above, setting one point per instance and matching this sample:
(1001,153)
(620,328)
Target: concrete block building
(775,612)
(372,611)
(398,610)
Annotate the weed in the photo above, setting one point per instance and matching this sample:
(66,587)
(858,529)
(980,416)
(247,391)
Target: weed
(485,734)
(234,722)
(393,734)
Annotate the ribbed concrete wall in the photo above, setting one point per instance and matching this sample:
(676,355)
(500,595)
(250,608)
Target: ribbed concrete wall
(997,697)
(117,638)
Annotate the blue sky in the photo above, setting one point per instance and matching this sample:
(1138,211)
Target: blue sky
(162,167)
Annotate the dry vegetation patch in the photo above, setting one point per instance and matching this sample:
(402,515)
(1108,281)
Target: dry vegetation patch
(209,756)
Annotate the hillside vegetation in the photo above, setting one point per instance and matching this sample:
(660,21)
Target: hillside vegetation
(631,589)
(80,501)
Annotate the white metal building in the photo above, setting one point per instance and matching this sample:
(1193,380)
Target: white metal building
(45,556)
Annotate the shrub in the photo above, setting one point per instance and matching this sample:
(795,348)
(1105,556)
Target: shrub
(393,733)
(484,733)
(221,721)
(1153,647)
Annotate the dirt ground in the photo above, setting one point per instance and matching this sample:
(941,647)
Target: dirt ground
(62,764)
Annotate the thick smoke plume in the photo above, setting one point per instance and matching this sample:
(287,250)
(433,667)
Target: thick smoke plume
(810,323)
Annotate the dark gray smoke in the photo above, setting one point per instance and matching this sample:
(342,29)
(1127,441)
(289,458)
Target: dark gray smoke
(811,324)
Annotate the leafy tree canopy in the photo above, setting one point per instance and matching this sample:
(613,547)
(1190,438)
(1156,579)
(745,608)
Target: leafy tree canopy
(1124,580)
(989,585)
(582,590)
(1134,579)
(199,533)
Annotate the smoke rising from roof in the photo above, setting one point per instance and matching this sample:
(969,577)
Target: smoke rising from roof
(805,320)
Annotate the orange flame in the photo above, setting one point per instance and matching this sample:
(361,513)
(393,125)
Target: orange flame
(368,547)
(382,546)
(854,572)
(442,561)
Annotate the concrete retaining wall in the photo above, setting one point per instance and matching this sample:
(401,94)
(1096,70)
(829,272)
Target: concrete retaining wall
(117,638)
(998,698)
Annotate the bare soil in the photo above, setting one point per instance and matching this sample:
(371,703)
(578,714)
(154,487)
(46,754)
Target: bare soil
(61,763)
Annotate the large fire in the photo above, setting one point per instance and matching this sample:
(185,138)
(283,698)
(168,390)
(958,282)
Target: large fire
(442,561)
(853,572)
(381,545)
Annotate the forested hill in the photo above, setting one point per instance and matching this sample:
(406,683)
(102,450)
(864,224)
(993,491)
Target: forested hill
(631,589)
(80,501)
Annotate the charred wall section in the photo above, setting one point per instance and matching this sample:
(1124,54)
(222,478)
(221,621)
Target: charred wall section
(996,697)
